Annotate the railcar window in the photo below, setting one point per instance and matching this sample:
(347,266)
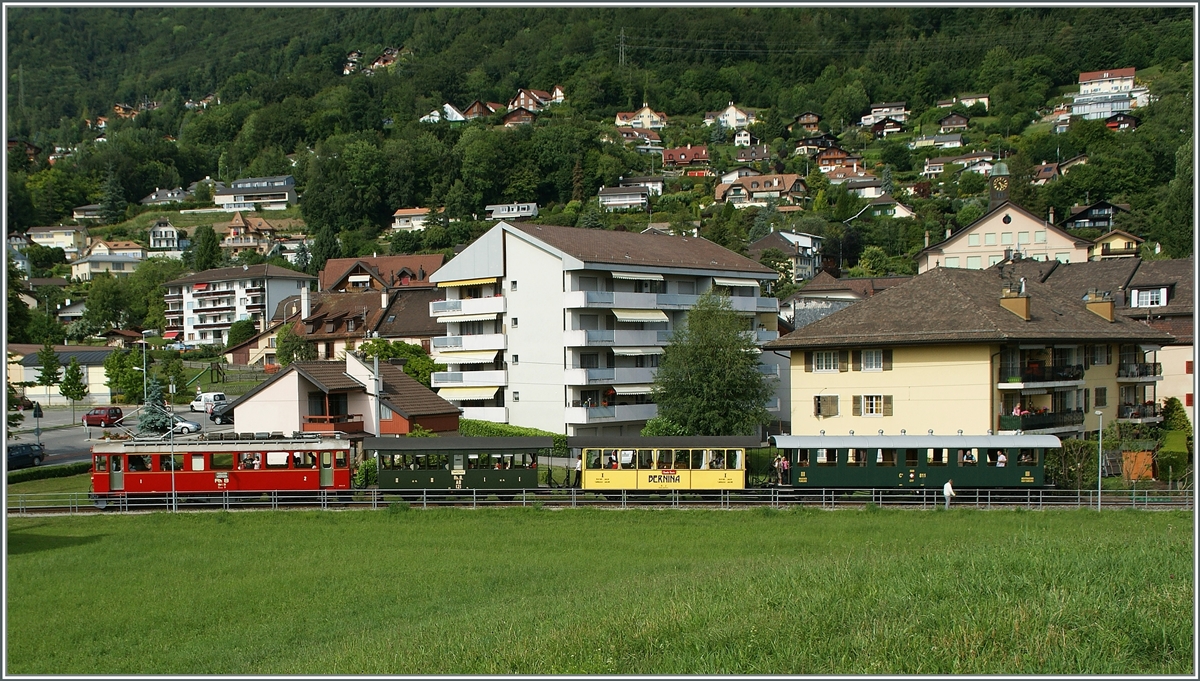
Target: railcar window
(277,459)
(116,464)
(1027,457)
(664,459)
(886,457)
(459,462)
(139,462)
(910,457)
(249,461)
(339,460)
(166,462)
(197,462)
(802,458)
(826,457)
(697,458)
(716,459)
(222,461)
(645,459)
(101,464)
(629,459)
(733,459)
(856,457)
(299,460)
(967,457)
(681,459)
(474,461)
(591,458)
(936,457)
(993,455)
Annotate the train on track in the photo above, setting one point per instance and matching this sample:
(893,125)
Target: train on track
(252,465)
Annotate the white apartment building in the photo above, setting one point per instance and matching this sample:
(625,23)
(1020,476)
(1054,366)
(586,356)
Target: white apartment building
(894,110)
(72,240)
(561,329)
(1104,93)
(248,193)
(202,306)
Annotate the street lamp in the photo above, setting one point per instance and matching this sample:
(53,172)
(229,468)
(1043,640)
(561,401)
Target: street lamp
(145,334)
(1099,458)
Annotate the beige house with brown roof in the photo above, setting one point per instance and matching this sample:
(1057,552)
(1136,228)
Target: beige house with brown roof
(976,351)
(757,190)
(644,118)
(995,237)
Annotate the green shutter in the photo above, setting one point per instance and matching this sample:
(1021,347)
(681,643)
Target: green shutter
(887,405)
(808,361)
(857,405)
(887,360)
(857,359)
(843,360)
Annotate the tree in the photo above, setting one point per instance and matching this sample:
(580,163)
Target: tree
(112,200)
(708,381)
(887,183)
(418,365)
(14,417)
(18,312)
(204,192)
(74,385)
(1175,416)
(293,347)
(206,249)
(154,417)
(241,331)
(49,366)
(106,303)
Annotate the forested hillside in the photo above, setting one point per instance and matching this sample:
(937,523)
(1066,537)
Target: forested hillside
(358,153)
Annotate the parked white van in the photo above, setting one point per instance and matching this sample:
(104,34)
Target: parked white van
(205,401)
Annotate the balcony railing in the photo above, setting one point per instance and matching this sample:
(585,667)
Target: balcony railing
(1137,411)
(442,379)
(1035,372)
(492,304)
(214,293)
(1139,370)
(1039,421)
(346,423)
(483,341)
(578,415)
(622,338)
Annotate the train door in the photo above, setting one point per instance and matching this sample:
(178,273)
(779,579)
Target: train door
(326,468)
(116,474)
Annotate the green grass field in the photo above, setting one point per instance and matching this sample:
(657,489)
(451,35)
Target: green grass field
(536,591)
(74,483)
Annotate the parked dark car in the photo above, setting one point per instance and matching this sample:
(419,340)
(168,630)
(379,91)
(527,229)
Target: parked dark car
(20,403)
(103,416)
(25,455)
(221,414)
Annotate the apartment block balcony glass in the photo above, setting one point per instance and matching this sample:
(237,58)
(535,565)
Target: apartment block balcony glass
(1135,372)
(483,341)
(583,415)
(1042,421)
(610,338)
(619,375)
(448,379)
(468,306)
(1138,412)
(1040,372)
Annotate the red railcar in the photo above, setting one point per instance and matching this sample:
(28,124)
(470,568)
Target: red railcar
(206,466)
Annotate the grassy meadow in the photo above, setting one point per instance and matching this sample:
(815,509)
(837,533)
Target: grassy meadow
(535,591)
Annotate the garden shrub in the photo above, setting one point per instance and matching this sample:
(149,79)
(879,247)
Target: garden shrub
(46,472)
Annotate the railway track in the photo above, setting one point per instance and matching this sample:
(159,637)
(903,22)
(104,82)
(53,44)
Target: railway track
(780,498)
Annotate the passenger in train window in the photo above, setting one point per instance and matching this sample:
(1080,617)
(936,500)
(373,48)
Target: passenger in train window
(802,458)
(1001,459)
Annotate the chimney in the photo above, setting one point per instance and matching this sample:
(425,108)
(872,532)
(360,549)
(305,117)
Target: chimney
(1052,215)
(383,300)
(1015,302)
(927,238)
(1100,303)
(947,232)
(304,310)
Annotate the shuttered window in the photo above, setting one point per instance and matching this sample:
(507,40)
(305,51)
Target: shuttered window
(872,405)
(825,405)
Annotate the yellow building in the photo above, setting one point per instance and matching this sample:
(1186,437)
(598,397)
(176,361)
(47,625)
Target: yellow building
(976,351)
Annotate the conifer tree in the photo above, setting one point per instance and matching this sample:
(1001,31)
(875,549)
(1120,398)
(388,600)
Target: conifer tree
(74,385)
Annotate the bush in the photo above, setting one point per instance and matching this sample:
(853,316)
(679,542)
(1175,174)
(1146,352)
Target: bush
(366,475)
(1172,465)
(473,428)
(46,472)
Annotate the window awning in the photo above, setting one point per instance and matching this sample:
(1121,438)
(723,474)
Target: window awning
(170,334)
(640,315)
(354,278)
(467,282)
(467,318)
(637,276)
(634,352)
(199,287)
(635,389)
(468,357)
(472,393)
(725,281)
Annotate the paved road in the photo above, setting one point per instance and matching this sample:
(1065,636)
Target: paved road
(67,440)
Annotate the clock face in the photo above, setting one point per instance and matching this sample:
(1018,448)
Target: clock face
(1000,183)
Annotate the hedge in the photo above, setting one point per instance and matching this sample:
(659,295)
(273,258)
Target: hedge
(44,472)
(473,428)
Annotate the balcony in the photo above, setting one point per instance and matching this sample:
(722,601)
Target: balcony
(768,369)
(467,306)
(214,309)
(618,376)
(765,336)
(1139,413)
(608,299)
(1069,420)
(173,297)
(493,414)
(213,325)
(578,415)
(345,423)
(214,293)
(676,301)
(1141,372)
(1016,377)
(483,341)
(468,379)
(753,304)
(603,338)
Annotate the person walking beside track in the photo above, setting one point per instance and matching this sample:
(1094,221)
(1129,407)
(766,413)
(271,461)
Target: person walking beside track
(948,491)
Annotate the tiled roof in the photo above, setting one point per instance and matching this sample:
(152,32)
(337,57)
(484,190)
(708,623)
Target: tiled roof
(410,309)
(88,355)
(1110,73)
(388,268)
(329,375)
(865,287)
(631,248)
(1166,272)
(408,397)
(58,228)
(238,273)
(952,306)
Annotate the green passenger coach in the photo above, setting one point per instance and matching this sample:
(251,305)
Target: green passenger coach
(457,462)
(915,461)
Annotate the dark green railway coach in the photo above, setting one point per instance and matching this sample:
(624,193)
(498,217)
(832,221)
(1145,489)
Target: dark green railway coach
(915,461)
(457,462)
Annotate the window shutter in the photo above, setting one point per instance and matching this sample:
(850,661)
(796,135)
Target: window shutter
(857,408)
(887,405)
(857,360)
(1108,355)
(1188,400)
(1087,400)
(816,405)
(1188,367)
(887,360)
(1087,357)
(843,360)
(808,361)
(832,405)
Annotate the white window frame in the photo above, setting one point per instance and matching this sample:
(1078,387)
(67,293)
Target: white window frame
(872,405)
(872,360)
(825,361)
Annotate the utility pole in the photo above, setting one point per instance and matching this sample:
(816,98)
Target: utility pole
(621,61)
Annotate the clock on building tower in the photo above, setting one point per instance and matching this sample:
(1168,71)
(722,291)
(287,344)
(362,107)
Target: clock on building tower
(998,186)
